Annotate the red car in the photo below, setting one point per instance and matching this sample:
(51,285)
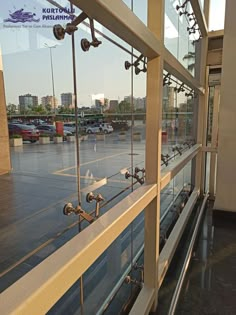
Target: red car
(28,133)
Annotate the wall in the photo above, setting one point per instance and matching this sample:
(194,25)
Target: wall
(226,169)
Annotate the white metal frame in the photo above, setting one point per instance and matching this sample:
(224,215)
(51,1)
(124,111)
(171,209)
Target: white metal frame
(37,291)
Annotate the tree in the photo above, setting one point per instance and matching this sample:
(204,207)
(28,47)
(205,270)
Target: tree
(124,107)
(66,110)
(39,109)
(106,102)
(11,109)
(48,108)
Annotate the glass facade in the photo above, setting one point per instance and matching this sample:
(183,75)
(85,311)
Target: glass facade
(91,101)
(180,33)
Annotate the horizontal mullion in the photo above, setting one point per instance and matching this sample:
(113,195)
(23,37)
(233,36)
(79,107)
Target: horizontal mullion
(210,149)
(46,283)
(120,20)
(144,301)
(198,12)
(173,66)
(176,166)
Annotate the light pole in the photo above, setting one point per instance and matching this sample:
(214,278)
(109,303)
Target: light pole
(53,88)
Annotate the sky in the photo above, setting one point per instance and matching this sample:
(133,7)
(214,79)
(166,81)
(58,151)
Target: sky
(26,60)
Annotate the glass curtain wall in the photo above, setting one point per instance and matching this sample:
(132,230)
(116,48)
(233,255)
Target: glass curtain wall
(181,32)
(100,157)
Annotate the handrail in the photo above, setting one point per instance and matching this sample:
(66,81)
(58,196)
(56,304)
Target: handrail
(143,305)
(49,280)
(168,251)
(186,261)
(173,169)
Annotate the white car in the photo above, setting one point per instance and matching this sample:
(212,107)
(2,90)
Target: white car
(103,127)
(69,127)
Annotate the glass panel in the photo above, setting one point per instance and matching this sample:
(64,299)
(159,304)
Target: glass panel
(180,34)
(44,178)
(177,115)
(112,138)
(139,8)
(183,48)
(217,15)
(171,27)
(101,278)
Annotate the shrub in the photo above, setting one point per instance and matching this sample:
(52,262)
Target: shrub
(57,135)
(44,136)
(15,136)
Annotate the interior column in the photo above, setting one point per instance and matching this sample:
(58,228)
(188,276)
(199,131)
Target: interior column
(5,164)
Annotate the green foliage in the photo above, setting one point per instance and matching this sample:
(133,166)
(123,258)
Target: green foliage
(57,135)
(15,137)
(11,109)
(66,110)
(44,136)
(124,107)
(48,108)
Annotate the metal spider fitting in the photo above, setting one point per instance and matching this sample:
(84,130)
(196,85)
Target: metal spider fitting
(139,179)
(59,31)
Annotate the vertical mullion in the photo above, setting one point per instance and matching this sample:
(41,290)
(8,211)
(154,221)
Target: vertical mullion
(153,148)
(216,101)
(202,107)
(5,158)
(204,118)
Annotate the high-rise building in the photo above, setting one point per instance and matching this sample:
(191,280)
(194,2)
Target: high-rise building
(113,105)
(49,100)
(98,104)
(138,102)
(27,101)
(67,100)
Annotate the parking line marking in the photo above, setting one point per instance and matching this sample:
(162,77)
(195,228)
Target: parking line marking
(87,163)
(93,178)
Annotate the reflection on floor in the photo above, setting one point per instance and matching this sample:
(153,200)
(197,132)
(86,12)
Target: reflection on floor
(210,285)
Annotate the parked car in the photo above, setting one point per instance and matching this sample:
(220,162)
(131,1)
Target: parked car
(70,127)
(119,125)
(103,127)
(50,130)
(28,133)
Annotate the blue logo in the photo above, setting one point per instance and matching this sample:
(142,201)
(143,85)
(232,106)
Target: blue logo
(19,16)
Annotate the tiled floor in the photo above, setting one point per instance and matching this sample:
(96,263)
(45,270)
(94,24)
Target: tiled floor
(210,285)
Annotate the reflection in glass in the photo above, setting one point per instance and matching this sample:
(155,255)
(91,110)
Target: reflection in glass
(181,32)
